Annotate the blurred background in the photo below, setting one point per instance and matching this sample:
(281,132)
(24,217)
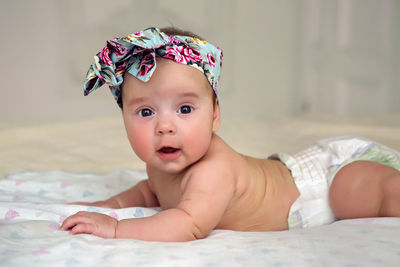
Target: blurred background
(281,58)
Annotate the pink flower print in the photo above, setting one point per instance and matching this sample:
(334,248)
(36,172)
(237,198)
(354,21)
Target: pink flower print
(120,69)
(105,56)
(146,64)
(176,53)
(65,184)
(118,49)
(211,60)
(139,50)
(11,214)
(173,40)
(19,182)
(53,226)
(174,257)
(41,251)
(192,54)
(17,198)
(138,34)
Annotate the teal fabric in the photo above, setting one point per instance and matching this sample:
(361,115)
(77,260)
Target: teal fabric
(136,53)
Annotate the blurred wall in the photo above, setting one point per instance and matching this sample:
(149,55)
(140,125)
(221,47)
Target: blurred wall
(47,46)
(349,59)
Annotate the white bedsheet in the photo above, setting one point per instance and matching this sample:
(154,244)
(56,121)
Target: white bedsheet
(32,205)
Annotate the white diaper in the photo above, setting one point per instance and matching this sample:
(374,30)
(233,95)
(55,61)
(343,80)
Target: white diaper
(313,170)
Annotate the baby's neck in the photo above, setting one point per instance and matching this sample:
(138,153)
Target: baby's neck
(156,174)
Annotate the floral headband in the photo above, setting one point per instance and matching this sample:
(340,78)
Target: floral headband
(136,53)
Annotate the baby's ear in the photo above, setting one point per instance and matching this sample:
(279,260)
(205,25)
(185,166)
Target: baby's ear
(216,117)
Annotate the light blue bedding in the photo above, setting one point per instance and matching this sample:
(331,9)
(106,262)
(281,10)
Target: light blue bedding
(32,205)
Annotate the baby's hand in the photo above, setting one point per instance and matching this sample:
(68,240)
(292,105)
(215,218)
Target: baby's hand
(110,203)
(92,223)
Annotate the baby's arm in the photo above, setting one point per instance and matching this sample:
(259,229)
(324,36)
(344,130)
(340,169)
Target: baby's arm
(205,198)
(204,201)
(139,195)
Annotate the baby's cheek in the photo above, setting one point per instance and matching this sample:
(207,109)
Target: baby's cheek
(141,144)
(199,139)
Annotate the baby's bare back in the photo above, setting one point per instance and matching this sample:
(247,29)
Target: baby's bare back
(264,195)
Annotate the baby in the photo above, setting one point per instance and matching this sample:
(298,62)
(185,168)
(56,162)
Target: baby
(166,83)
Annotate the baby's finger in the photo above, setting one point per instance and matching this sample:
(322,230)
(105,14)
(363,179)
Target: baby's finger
(67,224)
(82,228)
(73,220)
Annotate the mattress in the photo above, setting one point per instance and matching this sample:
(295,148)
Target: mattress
(46,165)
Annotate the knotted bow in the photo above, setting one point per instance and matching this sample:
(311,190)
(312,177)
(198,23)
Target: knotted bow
(136,53)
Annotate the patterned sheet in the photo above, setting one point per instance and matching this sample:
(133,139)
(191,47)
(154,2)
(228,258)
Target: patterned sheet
(32,205)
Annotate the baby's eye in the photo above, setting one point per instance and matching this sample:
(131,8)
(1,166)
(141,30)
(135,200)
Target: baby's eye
(145,112)
(185,109)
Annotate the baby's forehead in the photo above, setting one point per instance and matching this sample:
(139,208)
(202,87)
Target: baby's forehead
(133,89)
(170,72)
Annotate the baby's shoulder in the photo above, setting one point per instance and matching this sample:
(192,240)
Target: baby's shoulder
(209,165)
(219,160)
(220,169)
(209,174)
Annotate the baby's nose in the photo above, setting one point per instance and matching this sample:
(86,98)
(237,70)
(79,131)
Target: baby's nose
(165,126)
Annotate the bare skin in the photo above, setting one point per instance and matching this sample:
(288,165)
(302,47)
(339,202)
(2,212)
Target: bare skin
(201,183)
(366,189)
(260,195)
(257,187)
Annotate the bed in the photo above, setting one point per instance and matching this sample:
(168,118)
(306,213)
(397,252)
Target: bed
(46,165)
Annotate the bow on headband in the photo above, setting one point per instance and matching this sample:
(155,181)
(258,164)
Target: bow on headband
(136,53)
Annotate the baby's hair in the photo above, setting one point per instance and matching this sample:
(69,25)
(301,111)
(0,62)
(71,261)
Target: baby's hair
(176,31)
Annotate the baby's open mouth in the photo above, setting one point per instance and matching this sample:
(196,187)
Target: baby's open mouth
(168,150)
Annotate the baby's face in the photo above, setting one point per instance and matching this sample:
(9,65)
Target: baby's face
(171,118)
